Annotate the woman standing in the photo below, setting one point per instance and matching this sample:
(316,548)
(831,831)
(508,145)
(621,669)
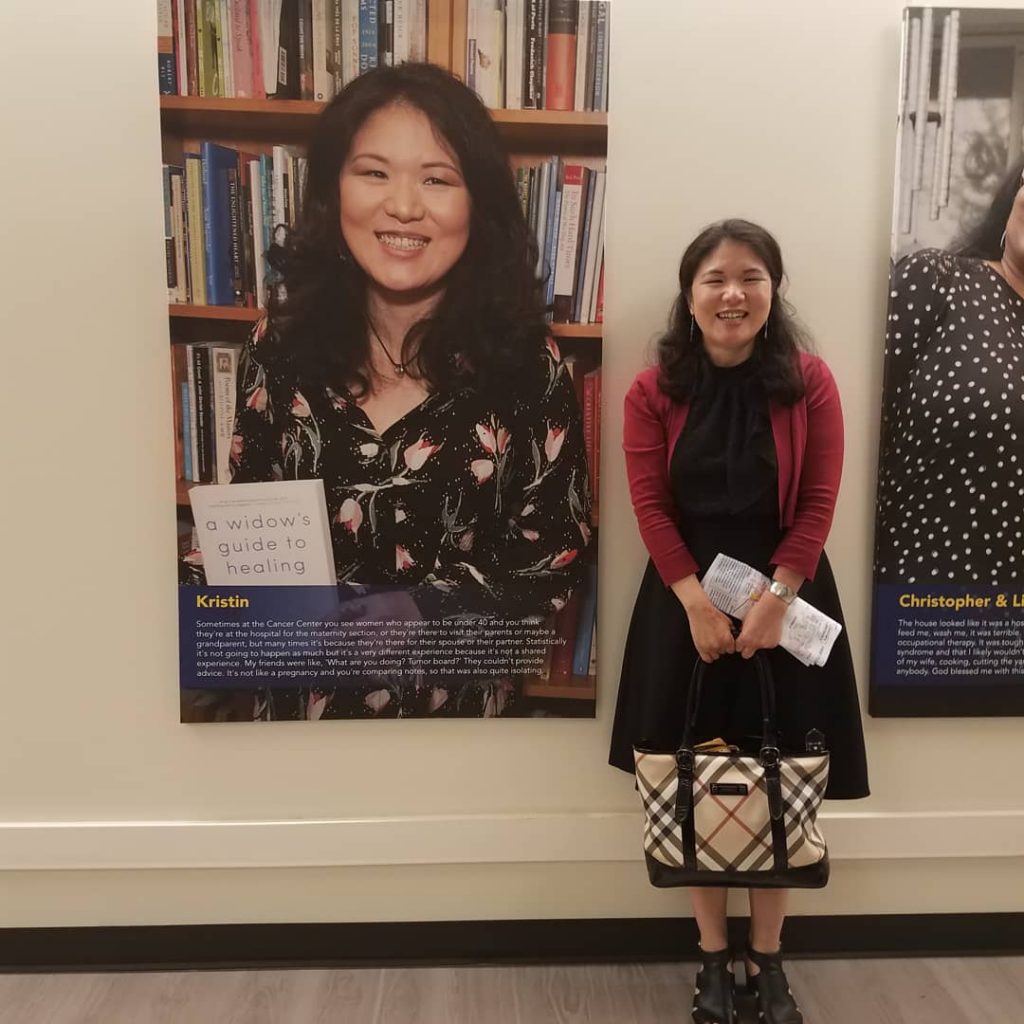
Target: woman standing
(734,444)
(404,359)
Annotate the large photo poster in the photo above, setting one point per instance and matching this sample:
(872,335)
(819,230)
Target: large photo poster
(948,620)
(386,276)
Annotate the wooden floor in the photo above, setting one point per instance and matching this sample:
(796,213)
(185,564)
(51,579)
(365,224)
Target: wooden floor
(941,991)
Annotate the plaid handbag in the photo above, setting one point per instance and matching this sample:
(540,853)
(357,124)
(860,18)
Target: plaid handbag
(734,819)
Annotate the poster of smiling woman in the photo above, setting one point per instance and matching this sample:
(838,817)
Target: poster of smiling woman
(948,624)
(394,512)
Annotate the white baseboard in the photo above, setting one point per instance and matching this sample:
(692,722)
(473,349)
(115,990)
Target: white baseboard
(459,839)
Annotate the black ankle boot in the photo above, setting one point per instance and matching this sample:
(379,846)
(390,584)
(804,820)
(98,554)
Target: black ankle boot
(775,1002)
(713,993)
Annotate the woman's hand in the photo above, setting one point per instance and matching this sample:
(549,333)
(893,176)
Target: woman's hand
(711,629)
(762,628)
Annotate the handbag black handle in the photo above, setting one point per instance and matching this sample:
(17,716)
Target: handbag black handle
(769,730)
(769,756)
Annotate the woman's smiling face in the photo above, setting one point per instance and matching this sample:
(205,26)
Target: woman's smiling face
(730,299)
(405,208)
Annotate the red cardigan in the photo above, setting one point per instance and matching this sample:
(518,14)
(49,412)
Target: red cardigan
(808,448)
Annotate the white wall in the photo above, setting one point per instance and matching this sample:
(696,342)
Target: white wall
(780,112)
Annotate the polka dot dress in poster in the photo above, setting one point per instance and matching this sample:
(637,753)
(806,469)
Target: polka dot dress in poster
(948,616)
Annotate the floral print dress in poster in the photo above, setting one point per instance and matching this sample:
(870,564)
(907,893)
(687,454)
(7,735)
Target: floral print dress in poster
(473,503)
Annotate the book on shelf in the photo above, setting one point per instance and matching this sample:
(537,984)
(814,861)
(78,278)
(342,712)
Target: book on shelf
(204,386)
(587,619)
(591,408)
(282,49)
(564,206)
(560,81)
(538,54)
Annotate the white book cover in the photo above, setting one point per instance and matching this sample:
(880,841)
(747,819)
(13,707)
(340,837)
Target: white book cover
(224,371)
(582,41)
(323,80)
(593,257)
(514,29)
(568,230)
(267,534)
(349,40)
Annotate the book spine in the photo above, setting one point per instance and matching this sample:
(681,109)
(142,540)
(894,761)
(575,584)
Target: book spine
(586,218)
(600,52)
(585,630)
(178,233)
(560,54)
(245,163)
(368,39)
(227,57)
(554,219)
(403,27)
(180,47)
(323,50)
(219,84)
(579,90)
(566,625)
(599,313)
(259,91)
(196,234)
(216,161)
(588,87)
(605,42)
(533,57)
(224,364)
(418,30)
(472,31)
(305,47)
(203,418)
(171,270)
(386,32)
(288,87)
(187,470)
(167,65)
(350,40)
(235,235)
(593,253)
(192,413)
(568,233)
(514,55)
(241,49)
(191,47)
(178,378)
(258,249)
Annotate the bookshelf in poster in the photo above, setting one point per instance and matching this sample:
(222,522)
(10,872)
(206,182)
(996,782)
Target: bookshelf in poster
(281,49)
(538,54)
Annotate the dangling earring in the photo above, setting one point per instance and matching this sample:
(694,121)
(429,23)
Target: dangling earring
(691,330)
(1002,240)
(342,255)
(766,332)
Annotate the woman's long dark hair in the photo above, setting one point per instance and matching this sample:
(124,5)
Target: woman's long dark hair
(985,241)
(681,355)
(489,323)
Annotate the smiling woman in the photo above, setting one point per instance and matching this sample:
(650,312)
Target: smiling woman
(404,360)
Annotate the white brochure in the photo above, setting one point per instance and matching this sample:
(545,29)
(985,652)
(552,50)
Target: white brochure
(807,633)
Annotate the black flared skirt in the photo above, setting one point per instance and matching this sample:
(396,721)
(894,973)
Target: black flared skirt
(660,655)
